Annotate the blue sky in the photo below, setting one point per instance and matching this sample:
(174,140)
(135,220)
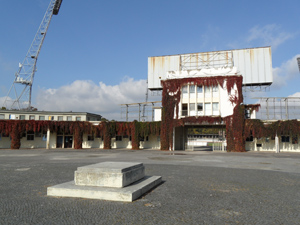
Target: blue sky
(94,56)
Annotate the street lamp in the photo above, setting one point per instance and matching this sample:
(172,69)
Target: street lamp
(298,60)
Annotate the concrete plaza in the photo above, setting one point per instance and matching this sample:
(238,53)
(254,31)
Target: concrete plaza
(198,188)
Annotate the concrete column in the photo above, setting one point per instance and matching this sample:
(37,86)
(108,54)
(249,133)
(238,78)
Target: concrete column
(277,144)
(48,139)
(255,144)
(173,140)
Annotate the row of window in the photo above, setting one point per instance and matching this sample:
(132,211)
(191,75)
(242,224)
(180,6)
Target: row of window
(191,110)
(91,137)
(190,91)
(34,117)
(284,139)
(30,135)
(198,89)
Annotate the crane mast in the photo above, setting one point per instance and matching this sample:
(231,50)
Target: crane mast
(19,95)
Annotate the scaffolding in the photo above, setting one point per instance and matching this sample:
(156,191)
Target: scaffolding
(207,60)
(279,108)
(143,111)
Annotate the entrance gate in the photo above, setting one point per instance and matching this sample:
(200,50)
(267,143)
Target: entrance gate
(200,138)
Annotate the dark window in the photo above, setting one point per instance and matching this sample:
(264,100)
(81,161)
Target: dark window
(30,135)
(184,110)
(285,138)
(90,137)
(118,138)
(5,135)
(143,138)
(249,138)
(295,140)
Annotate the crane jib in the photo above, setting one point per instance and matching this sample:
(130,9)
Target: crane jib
(57,6)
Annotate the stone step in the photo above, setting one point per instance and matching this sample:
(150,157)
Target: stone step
(109,174)
(125,194)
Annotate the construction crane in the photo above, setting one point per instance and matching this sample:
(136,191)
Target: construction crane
(19,95)
(144,116)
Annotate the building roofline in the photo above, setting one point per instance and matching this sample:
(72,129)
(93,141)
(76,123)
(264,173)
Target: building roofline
(210,51)
(48,112)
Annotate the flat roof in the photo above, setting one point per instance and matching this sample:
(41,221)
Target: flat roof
(48,112)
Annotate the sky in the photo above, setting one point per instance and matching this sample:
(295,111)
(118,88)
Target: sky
(95,53)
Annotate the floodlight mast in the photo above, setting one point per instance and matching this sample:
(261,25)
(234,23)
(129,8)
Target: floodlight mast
(298,60)
(19,95)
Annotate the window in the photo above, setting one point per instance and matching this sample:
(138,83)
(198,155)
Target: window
(249,139)
(192,109)
(215,88)
(12,117)
(69,118)
(199,109)
(199,89)
(184,110)
(2,117)
(90,137)
(78,118)
(285,138)
(192,89)
(22,117)
(97,134)
(295,140)
(185,91)
(44,135)
(88,118)
(30,135)
(60,118)
(38,134)
(41,117)
(31,117)
(207,91)
(51,118)
(215,107)
(215,91)
(247,114)
(207,108)
(118,138)
(5,135)
(125,136)
(143,138)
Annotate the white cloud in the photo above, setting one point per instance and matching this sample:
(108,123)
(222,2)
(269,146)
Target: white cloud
(287,71)
(270,35)
(297,94)
(2,99)
(86,96)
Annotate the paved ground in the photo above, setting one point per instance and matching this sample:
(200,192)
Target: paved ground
(198,188)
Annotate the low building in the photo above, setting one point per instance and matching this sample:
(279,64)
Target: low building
(49,129)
